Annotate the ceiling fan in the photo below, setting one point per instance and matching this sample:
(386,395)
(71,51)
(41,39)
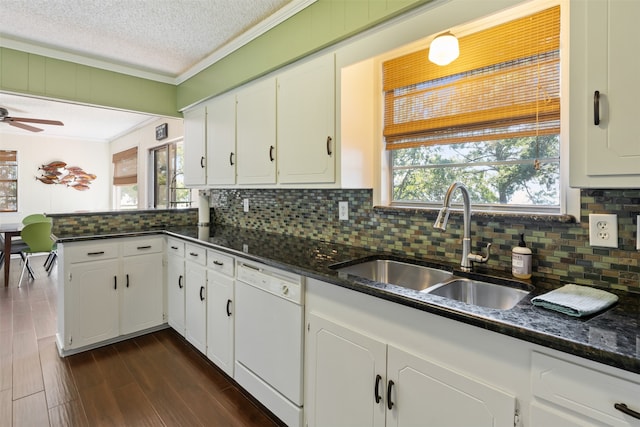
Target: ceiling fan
(19,121)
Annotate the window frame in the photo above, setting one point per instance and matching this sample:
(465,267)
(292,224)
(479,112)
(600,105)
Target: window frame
(16,180)
(569,197)
(171,202)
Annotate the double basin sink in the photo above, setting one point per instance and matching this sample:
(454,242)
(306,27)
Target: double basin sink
(439,282)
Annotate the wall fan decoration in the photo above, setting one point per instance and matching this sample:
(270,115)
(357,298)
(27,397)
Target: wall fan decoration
(59,173)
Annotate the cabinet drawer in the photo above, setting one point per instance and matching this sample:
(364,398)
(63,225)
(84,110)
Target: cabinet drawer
(195,253)
(94,251)
(220,262)
(583,390)
(142,246)
(175,247)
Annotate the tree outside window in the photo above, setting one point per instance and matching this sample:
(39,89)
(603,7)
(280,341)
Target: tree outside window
(8,181)
(169,190)
(490,119)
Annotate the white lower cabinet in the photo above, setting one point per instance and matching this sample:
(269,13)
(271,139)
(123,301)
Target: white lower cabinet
(175,285)
(93,303)
(143,296)
(371,362)
(357,380)
(109,288)
(196,296)
(422,392)
(345,373)
(567,394)
(220,310)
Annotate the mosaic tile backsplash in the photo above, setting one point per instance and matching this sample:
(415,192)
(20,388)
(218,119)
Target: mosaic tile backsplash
(560,245)
(107,222)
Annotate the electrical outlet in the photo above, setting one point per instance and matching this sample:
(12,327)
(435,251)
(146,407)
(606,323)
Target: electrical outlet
(603,230)
(343,211)
(245,205)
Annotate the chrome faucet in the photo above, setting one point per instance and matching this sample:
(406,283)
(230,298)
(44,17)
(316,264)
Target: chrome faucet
(441,224)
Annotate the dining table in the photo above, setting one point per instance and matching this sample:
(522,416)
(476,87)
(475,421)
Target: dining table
(9,231)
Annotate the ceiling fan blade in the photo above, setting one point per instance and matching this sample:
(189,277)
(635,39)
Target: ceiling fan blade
(41,121)
(23,126)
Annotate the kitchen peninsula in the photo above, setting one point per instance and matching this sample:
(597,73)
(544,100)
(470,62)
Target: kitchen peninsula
(610,339)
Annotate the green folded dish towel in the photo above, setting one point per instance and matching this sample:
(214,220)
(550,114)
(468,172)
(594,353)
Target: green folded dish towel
(576,300)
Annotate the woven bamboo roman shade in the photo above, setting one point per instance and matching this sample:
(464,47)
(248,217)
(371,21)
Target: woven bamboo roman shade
(505,84)
(125,167)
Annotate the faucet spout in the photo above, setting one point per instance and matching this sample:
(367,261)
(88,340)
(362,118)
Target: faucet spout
(443,216)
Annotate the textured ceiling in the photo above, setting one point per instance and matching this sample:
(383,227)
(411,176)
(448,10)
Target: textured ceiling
(161,36)
(164,38)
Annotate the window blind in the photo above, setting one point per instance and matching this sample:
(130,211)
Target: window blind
(125,167)
(505,84)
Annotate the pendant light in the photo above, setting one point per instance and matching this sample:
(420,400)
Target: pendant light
(444,49)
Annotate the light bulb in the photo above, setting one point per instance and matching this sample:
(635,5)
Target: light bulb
(444,49)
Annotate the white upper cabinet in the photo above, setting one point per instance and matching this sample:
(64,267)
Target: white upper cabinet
(221,140)
(605,146)
(256,133)
(195,172)
(306,122)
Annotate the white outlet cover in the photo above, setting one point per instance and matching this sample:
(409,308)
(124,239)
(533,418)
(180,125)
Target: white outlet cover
(603,230)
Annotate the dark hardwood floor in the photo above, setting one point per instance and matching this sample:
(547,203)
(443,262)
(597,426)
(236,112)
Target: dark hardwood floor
(154,380)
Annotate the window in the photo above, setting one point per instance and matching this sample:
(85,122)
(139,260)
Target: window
(168,177)
(125,179)
(8,181)
(490,119)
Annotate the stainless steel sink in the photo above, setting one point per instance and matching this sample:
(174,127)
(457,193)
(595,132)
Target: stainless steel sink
(412,276)
(480,293)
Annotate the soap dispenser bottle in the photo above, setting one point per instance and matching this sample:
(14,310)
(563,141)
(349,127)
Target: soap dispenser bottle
(521,260)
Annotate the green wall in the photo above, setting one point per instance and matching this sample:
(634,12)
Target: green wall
(322,24)
(38,75)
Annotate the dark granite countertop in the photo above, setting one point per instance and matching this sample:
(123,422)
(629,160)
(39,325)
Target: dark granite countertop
(581,337)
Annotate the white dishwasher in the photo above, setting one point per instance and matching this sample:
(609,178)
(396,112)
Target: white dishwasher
(269,339)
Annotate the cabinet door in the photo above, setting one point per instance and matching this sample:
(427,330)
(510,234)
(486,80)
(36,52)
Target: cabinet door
(142,292)
(427,394)
(175,292)
(256,133)
(221,140)
(195,172)
(94,287)
(220,321)
(342,368)
(306,123)
(600,61)
(583,392)
(546,416)
(196,305)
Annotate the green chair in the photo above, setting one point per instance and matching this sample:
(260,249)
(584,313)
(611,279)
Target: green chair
(30,219)
(34,218)
(37,237)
